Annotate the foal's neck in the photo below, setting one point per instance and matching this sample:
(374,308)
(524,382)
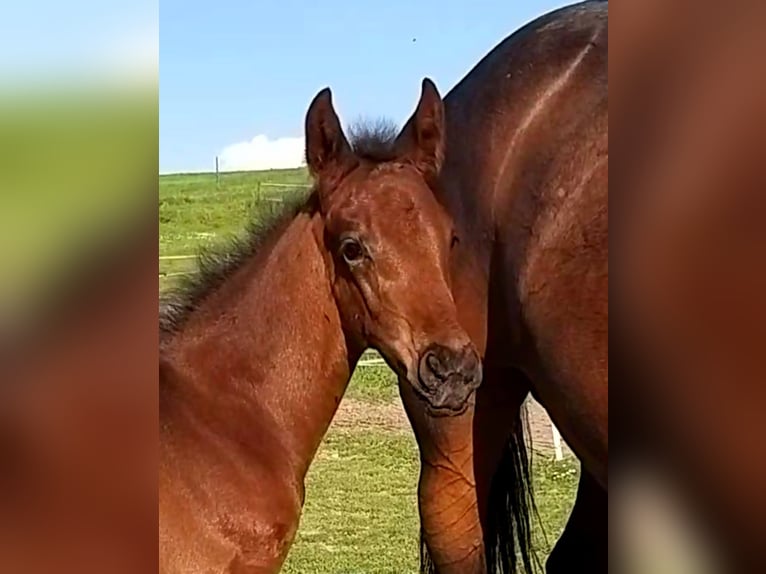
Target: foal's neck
(265,354)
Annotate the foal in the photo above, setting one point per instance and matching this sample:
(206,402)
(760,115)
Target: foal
(256,353)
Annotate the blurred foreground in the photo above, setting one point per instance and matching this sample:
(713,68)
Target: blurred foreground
(78,288)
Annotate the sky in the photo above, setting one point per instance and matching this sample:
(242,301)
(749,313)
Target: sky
(237,76)
(43,41)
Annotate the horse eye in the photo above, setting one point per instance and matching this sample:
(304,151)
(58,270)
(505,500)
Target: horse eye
(351,251)
(455,240)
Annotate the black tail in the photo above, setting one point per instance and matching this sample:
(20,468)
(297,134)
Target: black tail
(508,534)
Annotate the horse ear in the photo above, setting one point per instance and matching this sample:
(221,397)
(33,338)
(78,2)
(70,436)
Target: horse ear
(421,141)
(328,154)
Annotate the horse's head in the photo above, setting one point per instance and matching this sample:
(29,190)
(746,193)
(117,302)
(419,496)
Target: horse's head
(388,242)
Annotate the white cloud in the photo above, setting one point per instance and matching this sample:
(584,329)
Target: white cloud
(262,153)
(135,53)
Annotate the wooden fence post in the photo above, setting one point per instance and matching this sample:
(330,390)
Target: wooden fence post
(557,448)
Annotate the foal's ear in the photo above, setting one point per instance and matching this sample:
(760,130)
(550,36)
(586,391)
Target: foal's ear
(328,154)
(421,141)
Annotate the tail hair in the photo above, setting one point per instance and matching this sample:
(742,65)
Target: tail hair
(511,507)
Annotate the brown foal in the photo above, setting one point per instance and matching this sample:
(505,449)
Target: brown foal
(256,352)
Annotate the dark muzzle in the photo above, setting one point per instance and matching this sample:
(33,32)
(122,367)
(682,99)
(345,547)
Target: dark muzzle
(448,377)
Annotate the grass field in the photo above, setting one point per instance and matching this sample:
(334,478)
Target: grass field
(360,514)
(361,506)
(192,206)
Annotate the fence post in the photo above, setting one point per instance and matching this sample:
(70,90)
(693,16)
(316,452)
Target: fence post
(557,442)
(217,176)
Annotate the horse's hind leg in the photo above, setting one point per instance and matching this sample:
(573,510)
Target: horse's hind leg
(583,546)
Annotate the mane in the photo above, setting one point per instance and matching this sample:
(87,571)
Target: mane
(371,140)
(215,264)
(374,140)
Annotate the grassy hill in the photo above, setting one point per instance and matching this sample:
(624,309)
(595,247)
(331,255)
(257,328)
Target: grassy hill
(195,209)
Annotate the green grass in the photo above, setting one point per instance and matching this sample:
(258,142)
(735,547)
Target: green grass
(373,385)
(196,211)
(360,514)
(73,167)
(555,487)
(361,505)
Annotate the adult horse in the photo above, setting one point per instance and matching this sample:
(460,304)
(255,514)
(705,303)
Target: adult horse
(256,352)
(525,178)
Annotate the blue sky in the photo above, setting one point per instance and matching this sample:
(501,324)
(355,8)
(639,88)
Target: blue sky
(235,69)
(42,41)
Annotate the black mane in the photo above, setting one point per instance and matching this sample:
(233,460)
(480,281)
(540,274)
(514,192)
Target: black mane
(374,140)
(216,263)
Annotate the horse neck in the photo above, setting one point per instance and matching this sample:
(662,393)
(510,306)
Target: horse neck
(264,357)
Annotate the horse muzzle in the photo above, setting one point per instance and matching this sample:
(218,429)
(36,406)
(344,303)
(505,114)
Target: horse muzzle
(447,378)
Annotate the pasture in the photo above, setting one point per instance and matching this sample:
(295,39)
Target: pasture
(360,514)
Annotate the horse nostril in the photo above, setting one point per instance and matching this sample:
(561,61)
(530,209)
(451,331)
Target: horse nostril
(471,362)
(442,364)
(448,375)
(434,365)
